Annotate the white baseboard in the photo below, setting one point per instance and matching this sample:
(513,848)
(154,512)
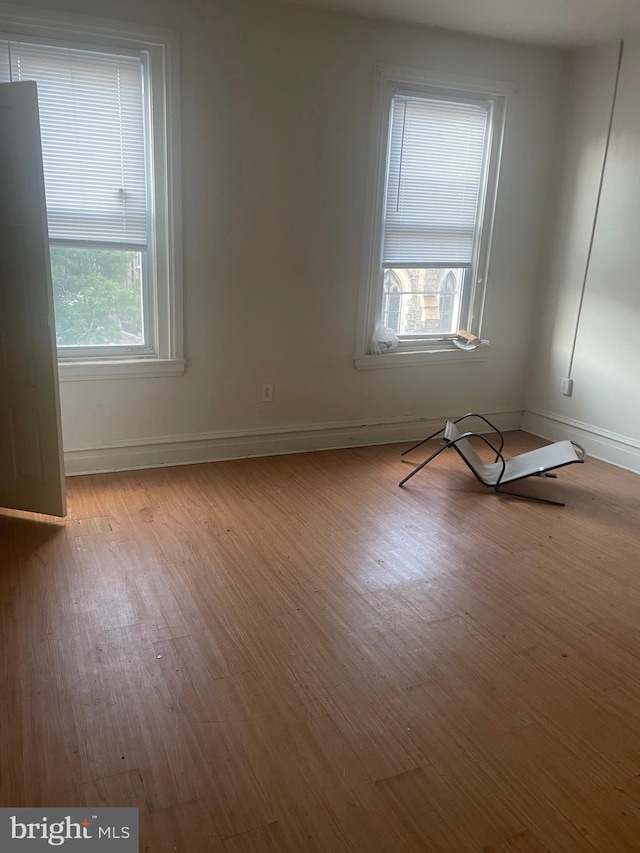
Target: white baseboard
(620,450)
(216,446)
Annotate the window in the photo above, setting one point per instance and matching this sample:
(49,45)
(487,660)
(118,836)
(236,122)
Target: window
(108,146)
(434,173)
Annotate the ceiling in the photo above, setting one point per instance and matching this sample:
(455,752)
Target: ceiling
(555,22)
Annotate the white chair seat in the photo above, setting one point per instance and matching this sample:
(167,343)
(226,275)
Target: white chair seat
(503,471)
(529,464)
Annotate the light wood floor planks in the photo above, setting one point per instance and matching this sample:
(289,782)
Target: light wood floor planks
(292,654)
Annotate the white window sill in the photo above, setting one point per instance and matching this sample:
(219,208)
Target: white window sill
(78,369)
(415,358)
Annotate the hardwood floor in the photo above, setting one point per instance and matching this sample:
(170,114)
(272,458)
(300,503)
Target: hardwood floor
(292,654)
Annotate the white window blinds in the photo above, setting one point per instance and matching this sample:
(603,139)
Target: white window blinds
(93,140)
(435,181)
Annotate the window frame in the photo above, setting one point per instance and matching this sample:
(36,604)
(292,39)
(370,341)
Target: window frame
(434,348)
(163,356)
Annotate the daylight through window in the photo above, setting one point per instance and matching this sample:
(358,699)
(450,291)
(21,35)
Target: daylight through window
(438,156)
(105,149)
(94,150)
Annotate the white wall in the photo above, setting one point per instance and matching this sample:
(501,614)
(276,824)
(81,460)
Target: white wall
(604,410)
(275,114)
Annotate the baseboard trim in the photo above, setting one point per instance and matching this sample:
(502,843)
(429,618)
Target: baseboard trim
(217,446)
(618,449)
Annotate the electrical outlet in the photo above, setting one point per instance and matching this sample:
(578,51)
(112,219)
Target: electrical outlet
(566,386)
(267,394)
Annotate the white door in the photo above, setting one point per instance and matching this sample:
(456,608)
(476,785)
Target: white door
(31,463)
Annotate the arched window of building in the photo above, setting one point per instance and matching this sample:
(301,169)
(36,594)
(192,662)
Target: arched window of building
(392,301)
(448,297)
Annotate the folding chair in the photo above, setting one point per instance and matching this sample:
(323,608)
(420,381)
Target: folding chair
(535,463)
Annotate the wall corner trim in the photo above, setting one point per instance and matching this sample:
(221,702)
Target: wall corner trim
(615,448)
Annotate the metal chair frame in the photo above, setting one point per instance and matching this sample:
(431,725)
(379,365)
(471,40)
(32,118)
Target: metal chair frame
(498,486)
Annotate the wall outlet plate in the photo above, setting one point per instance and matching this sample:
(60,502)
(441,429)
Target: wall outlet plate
(566,386)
